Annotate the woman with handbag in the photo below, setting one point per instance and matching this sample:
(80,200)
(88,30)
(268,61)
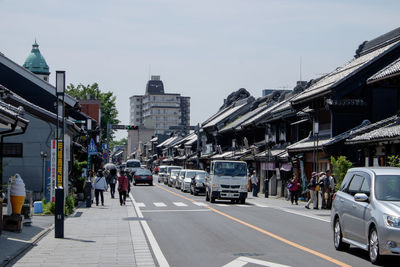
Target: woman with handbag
(293,187)
(122,187)
(100,185)
(313,193)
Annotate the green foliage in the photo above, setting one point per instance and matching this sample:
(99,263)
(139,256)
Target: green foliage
(122,142)
(340,167)
(69,205)
(394,161)
(109,112)
(49,207)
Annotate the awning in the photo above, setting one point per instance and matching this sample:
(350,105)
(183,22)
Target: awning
(286,167)
(298,122)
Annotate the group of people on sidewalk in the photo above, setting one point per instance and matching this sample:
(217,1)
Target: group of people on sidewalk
(101,181)
(324,184)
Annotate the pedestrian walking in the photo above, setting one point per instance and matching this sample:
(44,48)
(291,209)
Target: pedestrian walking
(112,180)
(313,193)
(122,187)
(323,183)
(254,182)
(100,185)
(331,189)
(90,178)
(293,187)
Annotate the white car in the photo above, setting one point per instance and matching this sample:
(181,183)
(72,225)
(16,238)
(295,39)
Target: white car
(187,180)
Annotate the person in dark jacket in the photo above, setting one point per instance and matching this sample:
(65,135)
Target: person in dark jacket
(112,180)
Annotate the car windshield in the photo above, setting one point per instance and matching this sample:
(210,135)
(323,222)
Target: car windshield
(173,168)
(133,164)
(142,172)
(190,174)
(230,168)
(163,169)
(174,172)
(201,176)
(387,187)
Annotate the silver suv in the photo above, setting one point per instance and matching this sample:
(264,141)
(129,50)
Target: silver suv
(366,212)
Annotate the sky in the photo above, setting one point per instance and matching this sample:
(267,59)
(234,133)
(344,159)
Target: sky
(202,49)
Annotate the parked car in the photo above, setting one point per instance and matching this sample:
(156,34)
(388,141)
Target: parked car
(169,169)
(132,165)
(162,172)
(143,176)
(187,180)
(179,178)
(198,183)
(366,212)
(172,177)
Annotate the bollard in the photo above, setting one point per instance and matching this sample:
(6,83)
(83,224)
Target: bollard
(88,194)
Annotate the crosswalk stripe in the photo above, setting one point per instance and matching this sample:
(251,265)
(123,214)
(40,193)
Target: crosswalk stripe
(180,204)
(159,204)
(200,204)
(141,204)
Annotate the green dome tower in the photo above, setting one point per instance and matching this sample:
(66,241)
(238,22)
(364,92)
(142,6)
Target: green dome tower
(36,63)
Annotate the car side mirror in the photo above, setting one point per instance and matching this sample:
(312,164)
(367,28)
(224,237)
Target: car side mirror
(361,197)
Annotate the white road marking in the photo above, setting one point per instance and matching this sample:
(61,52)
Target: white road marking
(162,261)
(242,205)
(180,204)
(174,210)
(303,214)
(141,204)
(242,261)
(222,205)
(200,204)
(159,204)
(259,205)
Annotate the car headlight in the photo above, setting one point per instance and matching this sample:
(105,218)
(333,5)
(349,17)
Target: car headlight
(392,221)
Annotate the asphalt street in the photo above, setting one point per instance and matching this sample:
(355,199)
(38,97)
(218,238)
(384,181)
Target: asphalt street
(192,232)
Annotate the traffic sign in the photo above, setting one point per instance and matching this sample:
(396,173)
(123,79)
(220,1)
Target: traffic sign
(92,150)
(118,126)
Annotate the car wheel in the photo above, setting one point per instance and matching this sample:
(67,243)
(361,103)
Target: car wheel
(374,247)
(337,237)
(151,183)
(195,193)
(207,196)
(242,201)
(212,199)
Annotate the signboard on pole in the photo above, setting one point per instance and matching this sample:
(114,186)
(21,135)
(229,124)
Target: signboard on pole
(92,148)
(53,158)
(60,162)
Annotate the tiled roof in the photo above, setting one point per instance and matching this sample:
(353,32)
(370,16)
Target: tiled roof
(224,115)
(308,144)
(244,118)
(389,71)
(340,74)
(382,130)
(381,40)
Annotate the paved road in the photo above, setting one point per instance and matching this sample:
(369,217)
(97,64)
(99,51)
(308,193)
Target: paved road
(193,232)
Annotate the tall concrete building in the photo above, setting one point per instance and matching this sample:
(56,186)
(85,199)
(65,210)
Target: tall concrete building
(155,112)
(159,110)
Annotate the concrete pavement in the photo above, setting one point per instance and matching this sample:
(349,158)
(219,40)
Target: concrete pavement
(109,235)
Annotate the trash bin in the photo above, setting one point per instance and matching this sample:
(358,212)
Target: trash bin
(37,207)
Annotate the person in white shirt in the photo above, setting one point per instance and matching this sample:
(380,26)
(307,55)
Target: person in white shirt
(254,182)
(100,185)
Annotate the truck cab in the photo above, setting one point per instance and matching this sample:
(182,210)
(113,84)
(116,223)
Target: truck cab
(227,180)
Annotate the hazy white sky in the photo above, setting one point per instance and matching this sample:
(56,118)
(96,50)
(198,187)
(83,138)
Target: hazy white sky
(202,49)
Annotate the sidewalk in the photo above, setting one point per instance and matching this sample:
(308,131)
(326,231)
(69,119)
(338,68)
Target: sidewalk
(109,235)
(286,205)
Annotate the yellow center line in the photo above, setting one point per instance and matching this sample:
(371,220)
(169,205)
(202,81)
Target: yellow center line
(284,240)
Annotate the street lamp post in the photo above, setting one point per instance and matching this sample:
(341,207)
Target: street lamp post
(44,156)
(59,190)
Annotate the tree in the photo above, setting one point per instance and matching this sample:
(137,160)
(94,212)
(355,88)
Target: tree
(109,112)
(340,167)
(122,142)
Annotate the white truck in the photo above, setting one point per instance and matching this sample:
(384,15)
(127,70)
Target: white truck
(227,180)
